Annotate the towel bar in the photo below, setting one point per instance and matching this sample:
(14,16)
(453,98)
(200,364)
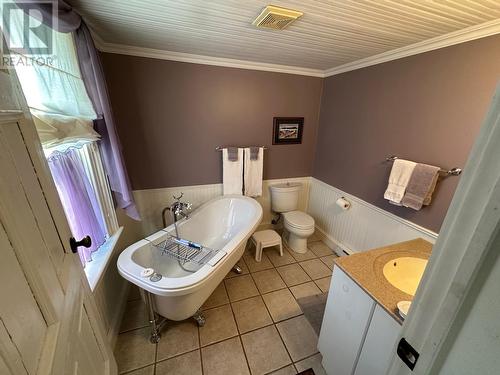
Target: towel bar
(220,148)
(450,172)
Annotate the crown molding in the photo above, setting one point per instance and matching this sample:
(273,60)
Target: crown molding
(465,35)
(204,60)
(471,33)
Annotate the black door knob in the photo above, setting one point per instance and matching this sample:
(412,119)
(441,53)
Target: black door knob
(74,244)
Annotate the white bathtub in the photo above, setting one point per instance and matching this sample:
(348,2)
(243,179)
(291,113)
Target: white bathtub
(224,223)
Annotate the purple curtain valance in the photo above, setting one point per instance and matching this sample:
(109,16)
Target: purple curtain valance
(93,77)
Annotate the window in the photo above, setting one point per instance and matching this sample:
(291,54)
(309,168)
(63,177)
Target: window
(63,115)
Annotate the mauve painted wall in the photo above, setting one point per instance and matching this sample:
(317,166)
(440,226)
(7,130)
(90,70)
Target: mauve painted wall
(171,116)
(427,108)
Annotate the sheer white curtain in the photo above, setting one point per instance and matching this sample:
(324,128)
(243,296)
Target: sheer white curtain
(54,88)
(91,159)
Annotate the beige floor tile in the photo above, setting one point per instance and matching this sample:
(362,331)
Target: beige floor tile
(293,274)
(219,297)
(329,260)
(178,338)
(268,281)
(150,370)
(250,247)
(186,364)
(313,362)
(251,314)
(314,237)
(299,337)
(224,358)
(244,270)
(271,250)
(133,350)
(242,287)
(299,257)
(265,351)
(281,305)
(324,283)
(320,248)
(278,260)
(305,290)
(135,316)
(316,269)
(133,292)
(219,325)
(288,370)
(255,266)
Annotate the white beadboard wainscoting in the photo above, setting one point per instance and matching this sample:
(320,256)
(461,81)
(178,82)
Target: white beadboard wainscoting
(363,226)
(151,202)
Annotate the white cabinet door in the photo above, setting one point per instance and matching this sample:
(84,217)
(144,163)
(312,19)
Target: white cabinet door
(379,344)
(347,315)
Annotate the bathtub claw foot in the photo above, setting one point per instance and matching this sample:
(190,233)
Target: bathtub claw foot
(199,318)
(237,269)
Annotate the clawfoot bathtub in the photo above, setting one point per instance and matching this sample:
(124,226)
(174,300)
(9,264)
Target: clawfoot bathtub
(178,288)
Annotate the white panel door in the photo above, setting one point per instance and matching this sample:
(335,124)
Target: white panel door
(49,323)
(347,315)
(379,344)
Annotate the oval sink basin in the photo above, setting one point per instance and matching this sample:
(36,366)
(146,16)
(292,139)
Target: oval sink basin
(405,273)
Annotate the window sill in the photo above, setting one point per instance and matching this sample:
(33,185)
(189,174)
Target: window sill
(100,260)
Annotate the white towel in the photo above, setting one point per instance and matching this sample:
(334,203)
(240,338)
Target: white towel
(253,173)
(232,173)
(398,180)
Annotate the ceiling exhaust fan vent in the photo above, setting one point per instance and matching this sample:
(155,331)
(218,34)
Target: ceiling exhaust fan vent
(273,17)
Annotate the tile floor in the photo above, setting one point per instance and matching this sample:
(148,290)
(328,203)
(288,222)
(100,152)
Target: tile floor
(253,322)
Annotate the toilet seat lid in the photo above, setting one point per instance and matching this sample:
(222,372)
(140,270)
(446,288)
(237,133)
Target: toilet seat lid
(298,219)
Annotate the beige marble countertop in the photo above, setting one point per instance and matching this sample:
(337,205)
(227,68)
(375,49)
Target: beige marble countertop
(366,270)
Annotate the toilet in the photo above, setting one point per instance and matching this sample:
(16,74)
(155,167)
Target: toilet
(298,225)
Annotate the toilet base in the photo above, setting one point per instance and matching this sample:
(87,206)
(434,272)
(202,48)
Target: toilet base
(296,243)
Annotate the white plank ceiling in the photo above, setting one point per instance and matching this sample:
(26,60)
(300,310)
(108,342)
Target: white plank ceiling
(331,32)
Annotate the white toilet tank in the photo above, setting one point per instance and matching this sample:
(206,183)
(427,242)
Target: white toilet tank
(285,197)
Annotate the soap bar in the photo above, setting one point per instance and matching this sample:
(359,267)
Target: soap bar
(146,272)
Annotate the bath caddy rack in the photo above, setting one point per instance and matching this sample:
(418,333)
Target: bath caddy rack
(188,251)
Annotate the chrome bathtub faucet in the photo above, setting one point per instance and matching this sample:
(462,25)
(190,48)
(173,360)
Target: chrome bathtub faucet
(178,208)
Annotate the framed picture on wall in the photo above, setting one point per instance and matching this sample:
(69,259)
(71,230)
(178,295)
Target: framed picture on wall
(288,130)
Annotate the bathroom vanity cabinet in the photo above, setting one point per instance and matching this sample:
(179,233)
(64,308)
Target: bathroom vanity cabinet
(357,336)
